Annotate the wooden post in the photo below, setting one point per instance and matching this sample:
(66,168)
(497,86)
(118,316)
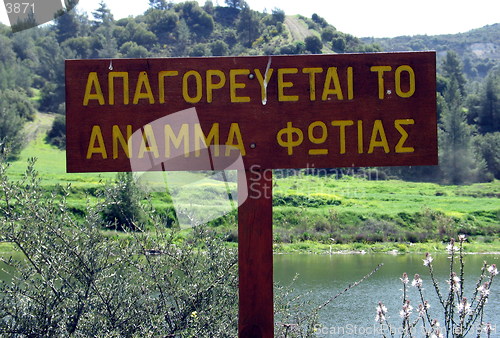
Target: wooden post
(255,255)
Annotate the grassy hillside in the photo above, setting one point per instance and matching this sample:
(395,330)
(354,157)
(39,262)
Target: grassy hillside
(346,209)
(354,209)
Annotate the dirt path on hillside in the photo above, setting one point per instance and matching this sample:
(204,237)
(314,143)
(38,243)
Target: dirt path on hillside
(298,28)
(41,124)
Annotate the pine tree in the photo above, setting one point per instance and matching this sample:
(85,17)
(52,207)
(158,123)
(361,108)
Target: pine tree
(67,26)
(248,26)
(102,15)
(455,138)
(489,112)
(159,4)
(105,25)
(239,4)
(453,70)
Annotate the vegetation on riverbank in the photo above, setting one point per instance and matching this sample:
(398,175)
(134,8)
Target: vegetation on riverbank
(309,247)
(346,206)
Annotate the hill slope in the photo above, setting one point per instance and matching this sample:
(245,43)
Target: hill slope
(479,48)
(297,28)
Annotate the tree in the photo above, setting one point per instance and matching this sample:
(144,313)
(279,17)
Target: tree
(159,4)
(51,69)
(67,26)
(23,45)
(319,20)
(489,108)
(219,48)
(455,139)
(108,47)
(15,75)
(453,70)
(199,49)
(20,103)
(11,125)
(278,15)
(124,211)
(338,45)
(131,49)
(198,21)
(313,44)
(248,26)
(183,38)
(161,23)
(209,7)
(488,145)
(7,54)
(300,47)
(57,133)
(102,15)
(327,34)
(80,45)
(104,38)
(141,35)
(239,4)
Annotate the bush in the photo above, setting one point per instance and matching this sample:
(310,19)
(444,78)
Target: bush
(57,133)
(487,145)
(313,44)
(18,101)
(76,279)
(219,48)
(124,210)
(319,20)
(301,200)
(339,45)
(198,50)
(10,132)
(131,49)
(288,50)
(327,34)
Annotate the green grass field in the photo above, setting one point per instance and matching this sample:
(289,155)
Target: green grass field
(395,197)
(306,207)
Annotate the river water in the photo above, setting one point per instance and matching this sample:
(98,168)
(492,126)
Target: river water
(353,313)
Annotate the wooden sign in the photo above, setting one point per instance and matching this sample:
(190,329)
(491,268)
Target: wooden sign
(252,114)
(304,111)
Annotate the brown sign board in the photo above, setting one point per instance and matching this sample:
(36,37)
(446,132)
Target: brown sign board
(321,111)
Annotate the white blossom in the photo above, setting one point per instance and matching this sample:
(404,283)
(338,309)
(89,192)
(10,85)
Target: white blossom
(381,312)
(437,334)
(428,259)
(422,308)
(492,269)
(488,329)
(436,331)
(451,248)
(417,281)
(406,310)
(463,307)
(454,282)
(484,290)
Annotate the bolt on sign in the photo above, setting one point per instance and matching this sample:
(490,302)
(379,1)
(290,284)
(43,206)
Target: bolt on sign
(319,111)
